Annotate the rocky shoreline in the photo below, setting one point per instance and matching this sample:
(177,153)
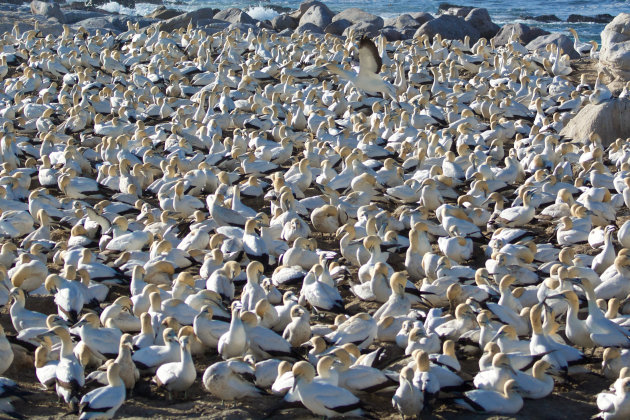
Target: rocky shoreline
(451,21)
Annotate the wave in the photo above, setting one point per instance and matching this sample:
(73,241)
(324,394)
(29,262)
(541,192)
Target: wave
(141,9)
(261,13)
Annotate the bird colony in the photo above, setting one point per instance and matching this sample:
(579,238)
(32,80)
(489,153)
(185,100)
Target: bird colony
(326,218)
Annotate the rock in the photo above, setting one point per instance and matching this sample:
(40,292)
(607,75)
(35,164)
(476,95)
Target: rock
(47,9)
(354,15)
(183,20)
(422,17)
(284,21)
(304,6)
(264,24)
(337,28)
(309,27)
(163,13)
(74,16)
(362,29)
(454,10)
(403,21)
(562,41)
(212,26)
(543,18)
(449,27)
(390,33)
(479,18)
(526,33)
(608,119)
(108,23)
(234,15)
(407,33)
(602,18)
(615,52)
(243,27)
(318,15)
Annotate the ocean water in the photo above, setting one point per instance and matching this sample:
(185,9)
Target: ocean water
(501,11)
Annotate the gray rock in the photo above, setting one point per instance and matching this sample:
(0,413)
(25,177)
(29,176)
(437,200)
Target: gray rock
(602,18)
(526,33)
(615,52)
(286,32)
(105,23)
(422,17)
(47,9)
(234,15)
(309,27)
(304,6)
(562,41)
(337,28)
(212,26)
(244,27)
(543,18)
(362,29)
(318,15)
(407,33)
(143,22)
(390,21)
(354,15)
(284,21)
(449,27)
(403,21)
(608,120)
(264,24)
(163,13)
(480,19)
(454,10)
(390,33)
(74,16)
(183,20)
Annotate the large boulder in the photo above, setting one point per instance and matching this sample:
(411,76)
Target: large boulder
(608,120)
(449,27)
(199,17)
(390,33)
(480,19)
(560,40)
(47,9)
(108,23)
(309,27)
(73,16)
(163,13)
(525,33)
(422,17)
(212,26)
(402,21)
(234,15)
(304,6)
(454,10)
(602,18)
(337,28)
(362,29)
(543,18)
(284,21)
(243,28)
(318,14)
(615,52)
(354,15)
